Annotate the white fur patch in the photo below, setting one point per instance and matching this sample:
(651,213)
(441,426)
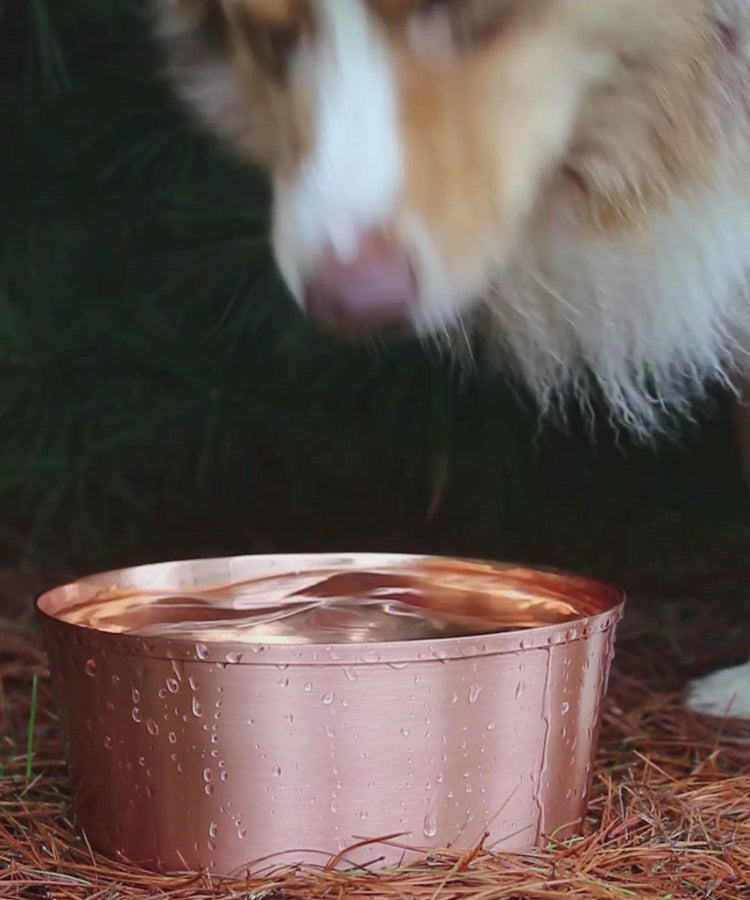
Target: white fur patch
(350,182)
(651,316)
(723,693)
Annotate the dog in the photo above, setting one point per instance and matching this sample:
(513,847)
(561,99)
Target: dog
(570,178)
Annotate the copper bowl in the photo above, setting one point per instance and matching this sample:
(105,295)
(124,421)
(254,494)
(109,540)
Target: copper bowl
(263,710)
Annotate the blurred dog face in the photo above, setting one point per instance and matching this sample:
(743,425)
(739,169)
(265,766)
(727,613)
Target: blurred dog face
(417,146)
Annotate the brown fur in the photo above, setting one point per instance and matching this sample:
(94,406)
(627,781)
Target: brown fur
(643,138)
(660,143)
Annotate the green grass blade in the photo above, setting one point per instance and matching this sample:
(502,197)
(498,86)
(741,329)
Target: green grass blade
(32,726)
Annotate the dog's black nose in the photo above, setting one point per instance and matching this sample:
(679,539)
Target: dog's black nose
(375,291)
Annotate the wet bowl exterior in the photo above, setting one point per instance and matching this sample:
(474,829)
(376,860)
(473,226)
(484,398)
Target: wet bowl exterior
(229,757)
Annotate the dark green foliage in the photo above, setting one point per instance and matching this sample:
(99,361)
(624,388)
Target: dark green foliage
(152,370)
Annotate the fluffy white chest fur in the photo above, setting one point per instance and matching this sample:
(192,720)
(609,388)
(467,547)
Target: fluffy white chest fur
(652,315)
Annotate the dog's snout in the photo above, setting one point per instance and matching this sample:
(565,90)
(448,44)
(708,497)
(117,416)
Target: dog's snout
(374,291)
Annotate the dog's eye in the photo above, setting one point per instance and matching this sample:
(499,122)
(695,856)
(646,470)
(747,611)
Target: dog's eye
(468,24)
(271,43)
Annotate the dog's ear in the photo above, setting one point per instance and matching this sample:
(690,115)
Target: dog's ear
(179,17)
(194,36)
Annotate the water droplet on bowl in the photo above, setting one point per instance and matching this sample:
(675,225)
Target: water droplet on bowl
(197,708)
(136,695)
(172,685)
(201,651)
(430,825)
(308,687)
(90,667)
(136,714)
(474,691)
(152,727)
(328,698)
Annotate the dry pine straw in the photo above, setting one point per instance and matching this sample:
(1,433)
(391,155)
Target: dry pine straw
(669,816)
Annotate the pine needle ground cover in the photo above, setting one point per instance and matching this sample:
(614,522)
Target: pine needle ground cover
(669,815)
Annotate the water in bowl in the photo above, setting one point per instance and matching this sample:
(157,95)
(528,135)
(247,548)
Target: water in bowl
(429,599)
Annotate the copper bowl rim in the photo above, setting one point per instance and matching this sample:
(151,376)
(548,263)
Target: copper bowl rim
(608,600)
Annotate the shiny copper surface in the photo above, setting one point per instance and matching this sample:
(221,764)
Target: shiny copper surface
(275,709)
